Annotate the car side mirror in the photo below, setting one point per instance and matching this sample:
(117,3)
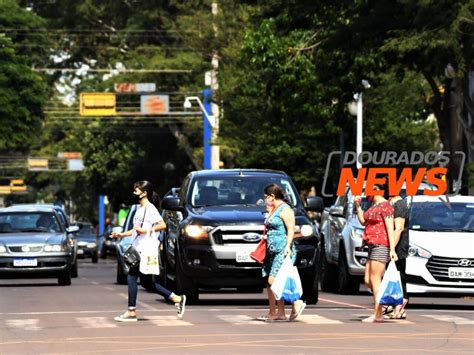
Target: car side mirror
(72,229)
(117,229)
(314,203)
(171,203)
(336,211)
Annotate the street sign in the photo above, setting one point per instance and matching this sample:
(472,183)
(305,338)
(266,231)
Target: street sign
(154,104)
(70,155)
(139,87)
(75,165)
(38,164)
(97,104)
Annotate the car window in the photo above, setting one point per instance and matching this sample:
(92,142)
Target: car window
(438,216)
(86,230)
(26,222)
(236,190)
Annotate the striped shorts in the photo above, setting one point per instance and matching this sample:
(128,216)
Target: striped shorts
(379,253)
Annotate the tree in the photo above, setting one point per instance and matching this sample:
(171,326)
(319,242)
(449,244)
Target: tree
(22,94)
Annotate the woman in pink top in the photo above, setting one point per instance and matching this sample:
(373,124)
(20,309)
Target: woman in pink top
(379,236)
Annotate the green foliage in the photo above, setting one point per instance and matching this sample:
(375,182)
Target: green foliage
(22,93)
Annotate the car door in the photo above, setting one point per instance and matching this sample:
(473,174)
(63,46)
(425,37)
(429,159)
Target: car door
(337,220)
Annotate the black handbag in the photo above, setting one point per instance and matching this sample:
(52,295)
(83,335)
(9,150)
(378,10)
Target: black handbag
(131,257)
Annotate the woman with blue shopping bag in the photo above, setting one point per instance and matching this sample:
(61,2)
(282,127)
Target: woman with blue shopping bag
(280,226)
(379,236)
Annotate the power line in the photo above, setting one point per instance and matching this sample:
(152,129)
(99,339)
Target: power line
(103,70)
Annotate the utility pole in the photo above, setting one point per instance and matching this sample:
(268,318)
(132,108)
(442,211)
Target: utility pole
(215,151)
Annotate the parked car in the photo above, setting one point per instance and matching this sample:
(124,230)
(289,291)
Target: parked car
(34,242)
(122,245)
(87,241)
(343,257)
(217,221)
(441,252)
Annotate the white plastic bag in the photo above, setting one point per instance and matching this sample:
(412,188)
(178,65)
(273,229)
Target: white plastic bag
(390,291)
(149,247)
(287,283)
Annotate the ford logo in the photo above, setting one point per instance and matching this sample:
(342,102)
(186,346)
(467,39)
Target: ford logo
(251,237)
(464,262)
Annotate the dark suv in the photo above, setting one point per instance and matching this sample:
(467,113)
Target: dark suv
(217,220)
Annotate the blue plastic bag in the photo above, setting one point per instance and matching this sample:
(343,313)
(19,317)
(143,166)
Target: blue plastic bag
(287,284)
(390,292)
(290,291)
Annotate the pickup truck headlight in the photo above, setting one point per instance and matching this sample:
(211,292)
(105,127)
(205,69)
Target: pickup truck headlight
(305,230)
(415,250)
(195,231)
(2,249)
(54,247)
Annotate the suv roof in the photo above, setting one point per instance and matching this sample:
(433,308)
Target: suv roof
(233,172)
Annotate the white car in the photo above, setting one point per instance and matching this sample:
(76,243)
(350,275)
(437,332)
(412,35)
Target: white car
(441,252)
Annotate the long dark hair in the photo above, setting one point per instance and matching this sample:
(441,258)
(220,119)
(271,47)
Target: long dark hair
(278,192)
(147,187)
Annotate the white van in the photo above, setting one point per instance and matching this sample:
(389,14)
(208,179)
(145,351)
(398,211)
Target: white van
(441,252)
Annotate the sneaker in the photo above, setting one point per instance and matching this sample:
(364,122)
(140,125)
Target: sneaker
(126,317)
(181,306)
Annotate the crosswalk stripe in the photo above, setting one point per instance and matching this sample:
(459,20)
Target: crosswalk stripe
(167,321)
(23,324)
(95,322)
(239,319)
(405,321)
(316,319)
(446,318)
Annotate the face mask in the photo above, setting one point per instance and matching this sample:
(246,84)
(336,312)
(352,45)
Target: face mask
(138,197)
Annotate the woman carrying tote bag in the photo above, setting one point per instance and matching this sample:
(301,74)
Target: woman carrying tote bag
(147,220)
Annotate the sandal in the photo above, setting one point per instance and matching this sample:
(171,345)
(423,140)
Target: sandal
(386,310)
(399,315)
(293,315)
(372,319)
(276,319)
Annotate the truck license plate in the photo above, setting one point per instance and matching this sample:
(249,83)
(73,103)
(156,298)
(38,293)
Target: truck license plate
(243,256)
(461,272)
(25,262)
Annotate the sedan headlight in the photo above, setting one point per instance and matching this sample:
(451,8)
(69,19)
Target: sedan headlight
(415,250)
(81,244)
(91,245)
(2,249)
(195,231)
(306,230)
(54,248)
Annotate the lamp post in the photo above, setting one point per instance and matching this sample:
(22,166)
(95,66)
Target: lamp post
(355,109)
(210,131)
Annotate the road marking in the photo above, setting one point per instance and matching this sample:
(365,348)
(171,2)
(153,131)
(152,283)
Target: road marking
(239,319)
(316,319)
(455,320)
(95,322)
(166,321)
(342,303)
(23,324)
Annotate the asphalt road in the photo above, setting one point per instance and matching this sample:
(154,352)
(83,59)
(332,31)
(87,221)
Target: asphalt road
(37,316)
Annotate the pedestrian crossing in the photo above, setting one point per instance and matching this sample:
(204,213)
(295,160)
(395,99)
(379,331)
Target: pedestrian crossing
(102,322)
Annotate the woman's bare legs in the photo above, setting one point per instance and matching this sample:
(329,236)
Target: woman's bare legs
(273,312)
(376,271)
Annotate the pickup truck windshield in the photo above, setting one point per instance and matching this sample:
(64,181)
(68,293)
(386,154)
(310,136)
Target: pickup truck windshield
(437,216)
(236,190)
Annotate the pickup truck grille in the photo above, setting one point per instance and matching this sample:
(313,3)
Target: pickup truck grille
(438,267)
(224,235)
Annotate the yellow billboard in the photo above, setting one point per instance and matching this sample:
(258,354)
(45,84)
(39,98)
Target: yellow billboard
(97,104)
